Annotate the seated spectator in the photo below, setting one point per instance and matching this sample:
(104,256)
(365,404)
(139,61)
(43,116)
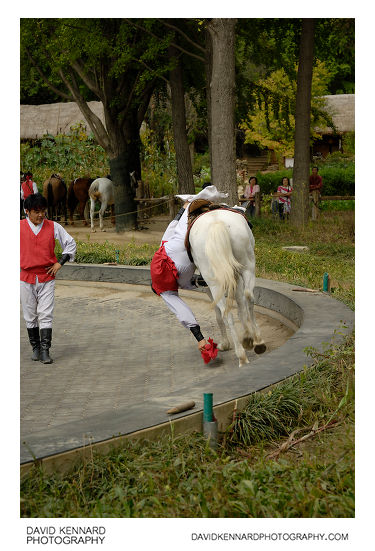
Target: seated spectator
(250,190)
(284,191)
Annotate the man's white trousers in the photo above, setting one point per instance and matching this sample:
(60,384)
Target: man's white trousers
(38,301)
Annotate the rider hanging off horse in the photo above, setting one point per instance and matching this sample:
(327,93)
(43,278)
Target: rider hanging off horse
(172,268)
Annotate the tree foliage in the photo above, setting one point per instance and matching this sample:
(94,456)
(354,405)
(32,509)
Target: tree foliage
(271,124)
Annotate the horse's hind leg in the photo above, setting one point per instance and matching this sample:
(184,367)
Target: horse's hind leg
(92,212)
(248,308)
(225,343)
(244,315)
(101,214)
(81,212)
(229,325)
(65,212)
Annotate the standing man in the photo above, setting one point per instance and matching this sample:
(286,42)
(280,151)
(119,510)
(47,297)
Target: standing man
(39,266)
(315,190)
(27,187)
(315,182)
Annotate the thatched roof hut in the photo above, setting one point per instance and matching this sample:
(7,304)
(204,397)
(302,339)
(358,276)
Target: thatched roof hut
(54,118)
(341,108)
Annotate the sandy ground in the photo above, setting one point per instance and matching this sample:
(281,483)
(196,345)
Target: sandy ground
(151,232)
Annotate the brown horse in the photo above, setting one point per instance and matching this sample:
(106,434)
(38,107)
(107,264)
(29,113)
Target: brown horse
(54,190)
(78,194)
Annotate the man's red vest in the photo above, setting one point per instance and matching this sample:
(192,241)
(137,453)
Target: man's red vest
(163,271)
(27,188)
(37,252)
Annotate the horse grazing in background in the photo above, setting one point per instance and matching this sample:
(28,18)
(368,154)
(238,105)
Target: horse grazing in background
(78,194)
(54,190)
(222,248)
(101,189)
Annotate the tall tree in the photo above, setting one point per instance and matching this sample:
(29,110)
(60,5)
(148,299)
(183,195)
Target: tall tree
(301,170)
(222,91)
(113,61)
(181,145)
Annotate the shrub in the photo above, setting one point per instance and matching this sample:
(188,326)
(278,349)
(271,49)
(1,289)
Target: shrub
(338,177)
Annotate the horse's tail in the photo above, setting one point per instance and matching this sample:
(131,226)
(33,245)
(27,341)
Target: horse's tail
(72,199)
(224,265)
(94,187)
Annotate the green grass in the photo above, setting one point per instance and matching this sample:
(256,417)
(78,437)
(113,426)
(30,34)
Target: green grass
(331,249)
(131,254)
(251,475)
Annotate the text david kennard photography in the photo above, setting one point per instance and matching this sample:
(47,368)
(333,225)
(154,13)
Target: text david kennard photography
(65,534)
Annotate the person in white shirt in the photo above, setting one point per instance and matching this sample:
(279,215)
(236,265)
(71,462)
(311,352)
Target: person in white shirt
(39,267)
(172,269)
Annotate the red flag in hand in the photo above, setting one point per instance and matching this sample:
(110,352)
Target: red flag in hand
(210,351)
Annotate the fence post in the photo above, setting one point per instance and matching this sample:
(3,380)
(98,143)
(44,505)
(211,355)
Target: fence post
(315,202)
(257,203)
(172,207)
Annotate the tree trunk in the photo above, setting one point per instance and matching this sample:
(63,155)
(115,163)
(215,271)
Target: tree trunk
(121,166)
(208,67)
(300,199)
(222,107)
(183,160)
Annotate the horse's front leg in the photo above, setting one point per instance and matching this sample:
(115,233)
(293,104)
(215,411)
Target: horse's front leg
(92,212)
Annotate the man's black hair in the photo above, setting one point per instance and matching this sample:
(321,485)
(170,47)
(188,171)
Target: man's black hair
(206,184)
(35,201)
(317,168)
(30,174)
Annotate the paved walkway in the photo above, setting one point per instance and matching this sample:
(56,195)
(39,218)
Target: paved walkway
(117,350)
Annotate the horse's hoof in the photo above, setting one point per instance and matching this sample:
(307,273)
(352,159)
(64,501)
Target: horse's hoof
(103,230)
(243,361)
(93,231)
(247,342)
(260,348)
(223,346)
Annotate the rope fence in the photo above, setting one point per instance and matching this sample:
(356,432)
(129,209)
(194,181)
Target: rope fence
(161,201)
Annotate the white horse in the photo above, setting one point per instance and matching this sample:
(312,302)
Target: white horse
(222,246)
(101,189)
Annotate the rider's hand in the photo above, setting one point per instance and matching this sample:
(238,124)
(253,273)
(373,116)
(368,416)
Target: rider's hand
(202,344)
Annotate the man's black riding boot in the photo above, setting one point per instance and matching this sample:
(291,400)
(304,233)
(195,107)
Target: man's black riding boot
(34,339)
(45,345)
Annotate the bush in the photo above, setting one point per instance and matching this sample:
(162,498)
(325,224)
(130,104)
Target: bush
(338,177)
(270,181)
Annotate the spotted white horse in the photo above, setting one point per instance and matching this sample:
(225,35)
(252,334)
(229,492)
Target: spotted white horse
(101,189)
(222,246)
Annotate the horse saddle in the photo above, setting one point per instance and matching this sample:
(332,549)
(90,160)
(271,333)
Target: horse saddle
(198,207)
